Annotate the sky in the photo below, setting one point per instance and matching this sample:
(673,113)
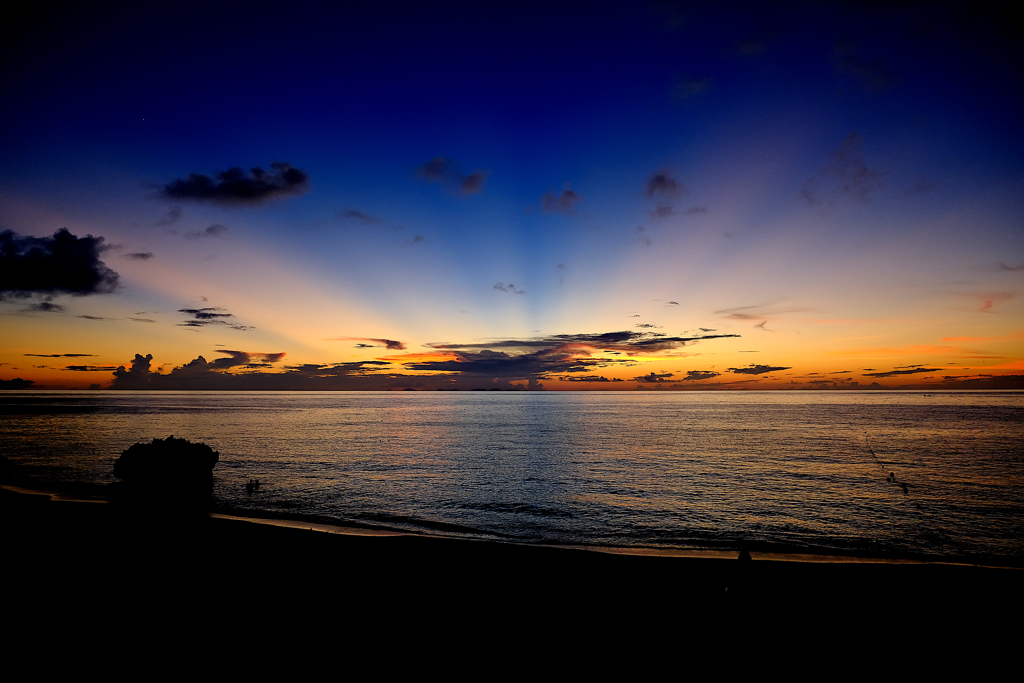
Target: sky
(567,196)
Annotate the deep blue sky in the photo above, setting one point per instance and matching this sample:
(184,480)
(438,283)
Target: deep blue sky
(848,165)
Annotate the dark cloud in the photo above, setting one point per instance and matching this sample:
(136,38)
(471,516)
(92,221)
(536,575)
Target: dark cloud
(204,317)
(653,377)
(241,373)
(139,255)
(245,359)
(648,326)
(894,373)
(93,317)
(628,342)
(662,211)
(215,230)
(43,307)
(846,174)
(700,374)
(561,273)
(60,355)
(1003,266)
(142,320)
(235,187)
(564,203)
(697,209)
(359,216)
(61,264)
(90,368)
(589,378)
(417,239)
(172,216)
(662,184)
(499,364)
(510,288)
(757,369)
(389,344)
(446,172)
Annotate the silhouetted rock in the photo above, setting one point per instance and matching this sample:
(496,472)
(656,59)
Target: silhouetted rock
(167,472)
(177,462)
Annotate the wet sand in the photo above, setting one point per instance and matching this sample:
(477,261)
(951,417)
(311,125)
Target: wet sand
(78,571)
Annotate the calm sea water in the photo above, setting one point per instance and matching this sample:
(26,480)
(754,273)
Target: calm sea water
(788,471)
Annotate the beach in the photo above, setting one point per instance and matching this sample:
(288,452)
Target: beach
(91,570)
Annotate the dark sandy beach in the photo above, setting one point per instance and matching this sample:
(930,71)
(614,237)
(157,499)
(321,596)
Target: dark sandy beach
(79,571)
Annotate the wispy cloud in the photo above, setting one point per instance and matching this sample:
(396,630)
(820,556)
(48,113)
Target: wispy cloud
(389,344)
(446,172)
(215,230)
(510,288)
(358,216)
(846,174)
(211,315)
(564,203)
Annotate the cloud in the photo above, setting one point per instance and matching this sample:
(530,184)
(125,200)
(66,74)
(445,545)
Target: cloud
(628,342)
(172,216)
(696,209)
(215,230)
(564,203)
(653,377)
(1003,266)
(757,369)
(589,378)
(700,374)
(417,239)
(446,172)
(43,307)
(203,317)
(990,299)
(662,184)
(354,215)
(846,174)
(759,312)
(642,236)
(61,264)
(662,211)
(90,368)
(235,187)
(243,371)
(893,373)
(248,359)
(139,255)
(60,355)
(389,344)
(561,273)
(510,288)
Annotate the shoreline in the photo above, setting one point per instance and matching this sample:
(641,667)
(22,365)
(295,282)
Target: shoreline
(341,529)
(135,574)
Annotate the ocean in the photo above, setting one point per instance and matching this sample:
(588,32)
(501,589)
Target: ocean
(785,471)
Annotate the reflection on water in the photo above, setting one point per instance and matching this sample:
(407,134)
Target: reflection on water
(649,469)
